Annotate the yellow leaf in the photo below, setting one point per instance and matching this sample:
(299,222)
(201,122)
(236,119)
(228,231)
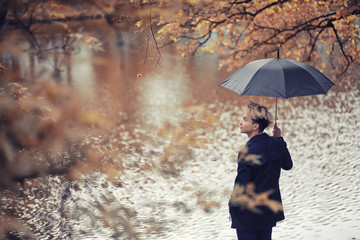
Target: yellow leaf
(192,1)
(253,158)
(91,118)
(275,206)
(138,24)
(207,205)
(87,39)
(111,172)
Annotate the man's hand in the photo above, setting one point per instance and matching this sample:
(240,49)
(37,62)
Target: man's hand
(276,131)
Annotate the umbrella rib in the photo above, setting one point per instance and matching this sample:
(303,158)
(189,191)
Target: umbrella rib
(255,73)
(313,74)
(246,83)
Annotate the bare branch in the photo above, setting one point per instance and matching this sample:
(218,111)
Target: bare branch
(98,7)
(348,58)
(244,12)
(314,43)
(156,44)
(152,35)
(201,43)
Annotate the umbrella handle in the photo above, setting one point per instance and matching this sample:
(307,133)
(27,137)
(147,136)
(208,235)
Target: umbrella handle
(276,112)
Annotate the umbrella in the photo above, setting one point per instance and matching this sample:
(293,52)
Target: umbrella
(278,77)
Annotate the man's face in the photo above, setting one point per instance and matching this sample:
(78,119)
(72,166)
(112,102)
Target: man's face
(246,124)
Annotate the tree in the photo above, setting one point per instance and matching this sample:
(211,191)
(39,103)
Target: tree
(323,33)
(32,132)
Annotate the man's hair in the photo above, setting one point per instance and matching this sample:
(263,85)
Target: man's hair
(260,115)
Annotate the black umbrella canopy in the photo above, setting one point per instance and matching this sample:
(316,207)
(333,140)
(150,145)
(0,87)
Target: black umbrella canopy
(278,77)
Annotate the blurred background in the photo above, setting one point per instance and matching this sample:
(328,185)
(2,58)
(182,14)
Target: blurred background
(113,125)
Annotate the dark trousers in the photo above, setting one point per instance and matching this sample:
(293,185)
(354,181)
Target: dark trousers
(254,235)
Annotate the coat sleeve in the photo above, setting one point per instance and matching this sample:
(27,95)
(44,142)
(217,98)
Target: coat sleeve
(287,162)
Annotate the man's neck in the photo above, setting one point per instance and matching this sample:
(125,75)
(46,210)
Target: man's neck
(253,134)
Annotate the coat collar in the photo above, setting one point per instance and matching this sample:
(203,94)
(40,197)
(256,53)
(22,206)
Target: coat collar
(256,138)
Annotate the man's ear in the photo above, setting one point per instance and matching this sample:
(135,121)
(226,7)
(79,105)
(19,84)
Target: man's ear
(256,127)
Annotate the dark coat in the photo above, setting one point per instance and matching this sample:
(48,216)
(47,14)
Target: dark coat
(265,176)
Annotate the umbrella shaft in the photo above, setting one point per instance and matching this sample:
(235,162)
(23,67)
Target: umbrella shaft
(276,111)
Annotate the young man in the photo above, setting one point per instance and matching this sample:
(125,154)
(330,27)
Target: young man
(256,206)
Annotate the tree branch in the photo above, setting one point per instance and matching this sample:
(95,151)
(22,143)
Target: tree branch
(156,44)
(314,43)
(341,47)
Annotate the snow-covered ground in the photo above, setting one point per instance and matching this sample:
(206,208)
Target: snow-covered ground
(188,199)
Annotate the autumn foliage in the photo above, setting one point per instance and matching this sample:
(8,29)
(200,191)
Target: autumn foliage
(39,127)
(323,33)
